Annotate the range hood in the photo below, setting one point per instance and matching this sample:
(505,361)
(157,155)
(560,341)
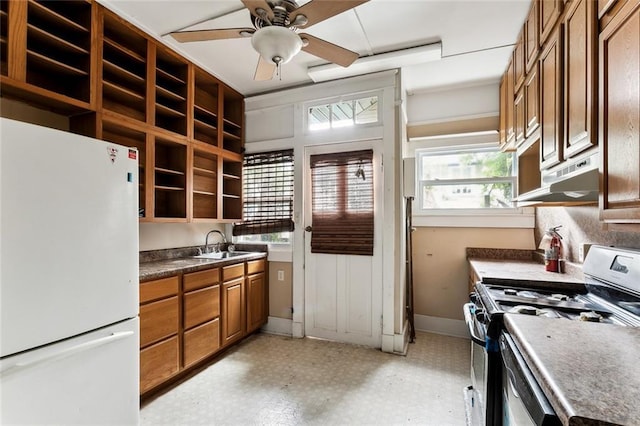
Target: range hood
(575,181)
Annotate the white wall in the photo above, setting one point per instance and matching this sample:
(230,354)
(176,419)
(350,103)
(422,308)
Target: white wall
(155,236)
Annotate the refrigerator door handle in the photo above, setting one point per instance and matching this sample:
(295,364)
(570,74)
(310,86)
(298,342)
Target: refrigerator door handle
(50,357)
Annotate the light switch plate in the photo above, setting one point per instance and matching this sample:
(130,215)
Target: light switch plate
(280,275)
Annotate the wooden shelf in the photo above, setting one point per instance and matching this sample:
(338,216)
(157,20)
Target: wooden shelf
(212,194)
(205,126)
(122,73)
(165,110)
(169,188)
(165,74)
(201,171)
(169,94)
(227,121)
(232,136)
(228,176)
(42,36)
(231,196)
(56,18)
(120,48)
(57,66)
(205,111)
(169,171)
(122,93)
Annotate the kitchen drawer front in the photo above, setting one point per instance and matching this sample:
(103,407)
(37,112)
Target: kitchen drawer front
(255,266)
(158,320)
(201,279)
(158,289)
(201,306)
(232,271)
(158,363)
(201,341)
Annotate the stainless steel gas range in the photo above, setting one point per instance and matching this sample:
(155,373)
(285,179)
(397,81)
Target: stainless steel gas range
(502,389)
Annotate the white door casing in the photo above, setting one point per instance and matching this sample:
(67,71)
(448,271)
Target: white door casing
(343,293)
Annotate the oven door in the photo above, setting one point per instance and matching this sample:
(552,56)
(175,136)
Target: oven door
(482,396)
(523,402)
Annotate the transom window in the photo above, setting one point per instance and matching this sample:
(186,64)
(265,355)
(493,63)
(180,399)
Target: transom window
(470,179)
(343,113)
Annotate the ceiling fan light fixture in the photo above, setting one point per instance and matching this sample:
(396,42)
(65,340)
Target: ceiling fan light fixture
(276,44)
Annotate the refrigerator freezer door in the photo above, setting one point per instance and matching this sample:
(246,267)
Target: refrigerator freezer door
(88,380)
(68,235)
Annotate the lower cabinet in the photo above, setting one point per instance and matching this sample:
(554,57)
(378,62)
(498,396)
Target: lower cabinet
(159,332)
(187,318)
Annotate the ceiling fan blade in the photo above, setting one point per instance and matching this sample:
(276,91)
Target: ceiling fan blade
(319,10)
(264,70)
(202,35)
(254,5)
(329,51)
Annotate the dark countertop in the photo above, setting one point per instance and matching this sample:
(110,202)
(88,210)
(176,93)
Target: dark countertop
(168,267)
(589,371)
(525,272)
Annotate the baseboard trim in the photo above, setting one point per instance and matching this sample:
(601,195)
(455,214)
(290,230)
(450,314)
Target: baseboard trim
(281,326)
(445,326)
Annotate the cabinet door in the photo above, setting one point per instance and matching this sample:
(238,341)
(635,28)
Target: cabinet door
(579,39)
(518,110)
(551,101)
(257,302)
(518,62)
(532,102)
(503,111)
(201,342)
(158,362)
(549,13)
(233,312)
(201,306)
(511,134)
(619,51)
(531,32)
(158,320)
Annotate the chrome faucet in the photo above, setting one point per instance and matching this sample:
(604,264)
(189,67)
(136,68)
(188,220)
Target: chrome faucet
(217,246)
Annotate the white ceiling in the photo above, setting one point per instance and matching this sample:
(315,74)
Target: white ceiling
(477,38)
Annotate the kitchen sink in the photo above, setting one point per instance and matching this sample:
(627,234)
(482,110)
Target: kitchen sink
(222,255)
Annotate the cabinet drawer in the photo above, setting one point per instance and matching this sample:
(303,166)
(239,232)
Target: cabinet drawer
(201,306)
(201,279)
(158,363)
(201,342)
(158,320)
(154,290)
(232,271)
(255,266)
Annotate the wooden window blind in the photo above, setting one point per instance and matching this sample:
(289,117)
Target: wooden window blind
(268,193)
(342,203)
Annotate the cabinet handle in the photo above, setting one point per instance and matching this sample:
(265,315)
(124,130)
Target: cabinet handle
(308,229)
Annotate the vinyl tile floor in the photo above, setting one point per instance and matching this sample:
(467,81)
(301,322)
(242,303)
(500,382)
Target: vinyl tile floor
(276,380)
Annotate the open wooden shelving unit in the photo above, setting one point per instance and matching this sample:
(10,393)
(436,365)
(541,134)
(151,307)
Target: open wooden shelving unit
(117,83)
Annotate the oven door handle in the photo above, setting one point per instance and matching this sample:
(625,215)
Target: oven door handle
(468,318)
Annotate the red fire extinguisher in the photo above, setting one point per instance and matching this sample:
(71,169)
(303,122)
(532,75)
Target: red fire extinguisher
(553,253)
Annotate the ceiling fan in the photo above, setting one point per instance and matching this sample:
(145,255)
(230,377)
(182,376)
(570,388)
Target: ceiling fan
(275,35)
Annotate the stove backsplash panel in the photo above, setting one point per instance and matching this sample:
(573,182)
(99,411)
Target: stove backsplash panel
(580,225)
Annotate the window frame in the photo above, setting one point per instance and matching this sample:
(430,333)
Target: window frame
(339,99)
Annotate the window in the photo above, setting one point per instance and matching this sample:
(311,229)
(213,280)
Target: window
(268,197)
(342,203)
(344,113)
(465,179)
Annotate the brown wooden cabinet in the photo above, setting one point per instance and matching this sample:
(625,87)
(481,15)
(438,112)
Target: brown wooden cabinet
(532,35)
(519,113)
(257,295)
(549,12)
(201,315)
(519,62)
(233,303)
(551,123)
(117,83)
(532,102)
(510,119)
(159,331)
(619,115)
(579,77)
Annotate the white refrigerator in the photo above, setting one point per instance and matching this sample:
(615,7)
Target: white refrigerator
(69,329)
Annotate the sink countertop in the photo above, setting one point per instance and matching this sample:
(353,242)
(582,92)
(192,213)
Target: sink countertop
(589,371)
(165,268)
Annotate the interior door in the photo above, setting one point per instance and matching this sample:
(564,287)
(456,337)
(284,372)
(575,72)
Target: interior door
(343,293)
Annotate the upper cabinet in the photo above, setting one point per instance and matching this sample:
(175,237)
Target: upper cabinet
(579,77)
(551,101)
(619,117)
(117,83)
(549,12)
